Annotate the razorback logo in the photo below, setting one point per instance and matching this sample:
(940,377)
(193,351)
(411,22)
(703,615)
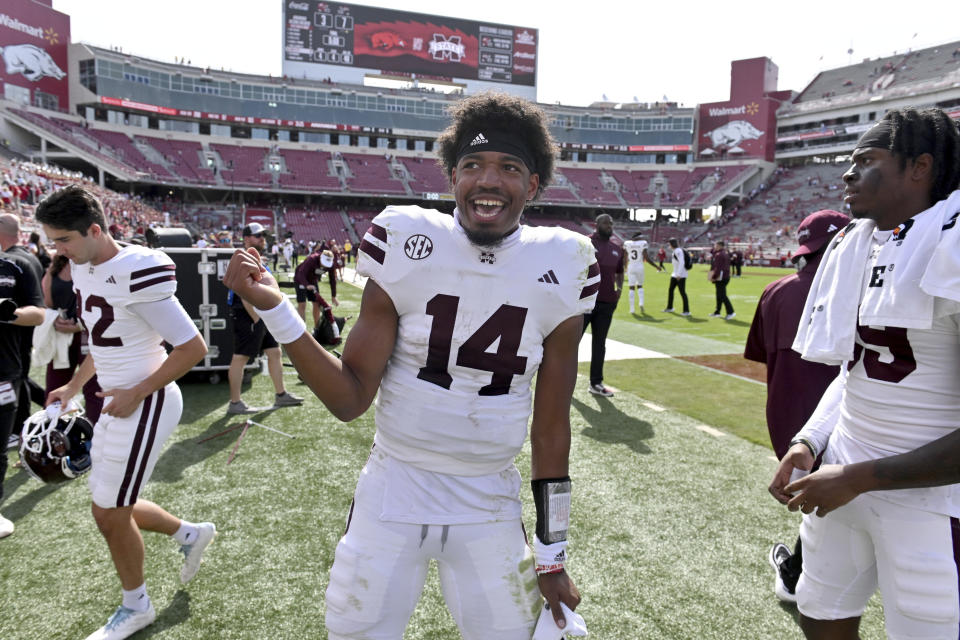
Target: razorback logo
(31,61)
(387,40)
(733,133)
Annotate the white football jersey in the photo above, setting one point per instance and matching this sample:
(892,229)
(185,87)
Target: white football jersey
(902,392)
(124,347)
(635,249)
(455,397)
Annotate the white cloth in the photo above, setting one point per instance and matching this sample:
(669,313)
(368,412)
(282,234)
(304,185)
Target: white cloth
(831,306)
(547,629)
(900,289)
(679,270)
(942,277)
(50,344)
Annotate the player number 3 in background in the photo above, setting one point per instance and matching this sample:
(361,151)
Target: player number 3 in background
(506,323)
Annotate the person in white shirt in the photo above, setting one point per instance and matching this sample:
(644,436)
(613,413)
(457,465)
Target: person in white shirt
(637,253)
(678,280)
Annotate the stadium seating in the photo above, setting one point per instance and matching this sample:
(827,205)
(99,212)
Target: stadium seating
(186,158)
(371,174)
(310,224)
(307,170)
(590,187)
(427,176)
(124,148)
(242,165)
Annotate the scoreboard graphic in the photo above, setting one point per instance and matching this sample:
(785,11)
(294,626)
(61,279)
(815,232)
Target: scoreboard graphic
(390,41)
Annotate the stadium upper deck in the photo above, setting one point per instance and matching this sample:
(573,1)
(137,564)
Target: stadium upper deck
(183,98)
(828,116)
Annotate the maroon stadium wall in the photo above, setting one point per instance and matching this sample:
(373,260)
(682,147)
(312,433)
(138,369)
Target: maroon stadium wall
(745,126)
(33,44)
(400,42)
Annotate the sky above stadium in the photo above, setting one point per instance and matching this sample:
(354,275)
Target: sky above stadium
(624,50)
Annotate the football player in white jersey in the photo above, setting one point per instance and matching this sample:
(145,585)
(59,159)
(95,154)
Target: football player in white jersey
(458,314)
(636,249)
(125,298)
(890,421)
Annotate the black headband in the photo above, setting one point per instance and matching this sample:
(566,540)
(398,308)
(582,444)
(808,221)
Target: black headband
(491,139)
(878,136)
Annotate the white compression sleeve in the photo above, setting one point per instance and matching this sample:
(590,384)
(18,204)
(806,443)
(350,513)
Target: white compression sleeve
(168,318)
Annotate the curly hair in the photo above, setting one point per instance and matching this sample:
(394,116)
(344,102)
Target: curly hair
(502,111)
(915,132)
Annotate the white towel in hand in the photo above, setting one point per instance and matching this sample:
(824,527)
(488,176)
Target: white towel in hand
(547,629)
(49,344)
(829,318)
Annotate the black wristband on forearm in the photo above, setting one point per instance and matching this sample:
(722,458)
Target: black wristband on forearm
(551,497)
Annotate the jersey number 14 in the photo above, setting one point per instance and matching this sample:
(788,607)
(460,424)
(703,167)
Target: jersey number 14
(506,323)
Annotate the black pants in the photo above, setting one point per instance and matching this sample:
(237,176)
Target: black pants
(600,318)
(793,567)
(8,414)
(722,299)
(681,284)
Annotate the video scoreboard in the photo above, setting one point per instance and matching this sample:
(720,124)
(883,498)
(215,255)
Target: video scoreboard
(318,35)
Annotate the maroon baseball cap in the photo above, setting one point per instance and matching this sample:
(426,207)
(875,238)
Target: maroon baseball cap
(817,229)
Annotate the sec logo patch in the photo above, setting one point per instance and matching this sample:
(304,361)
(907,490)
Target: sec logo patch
(418,247)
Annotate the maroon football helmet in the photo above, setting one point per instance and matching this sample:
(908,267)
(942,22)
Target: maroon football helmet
(55,447)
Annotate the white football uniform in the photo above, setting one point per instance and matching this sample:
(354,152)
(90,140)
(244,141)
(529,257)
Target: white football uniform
(902,391)
(635,249)
(451,416)
(127,348)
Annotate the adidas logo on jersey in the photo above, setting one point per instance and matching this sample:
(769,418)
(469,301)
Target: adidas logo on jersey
(110,280)
(549,277)
(480,139)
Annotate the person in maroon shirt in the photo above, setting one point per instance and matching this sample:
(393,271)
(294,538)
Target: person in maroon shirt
(794,385)
(610,257)
(720,275)
(306,277)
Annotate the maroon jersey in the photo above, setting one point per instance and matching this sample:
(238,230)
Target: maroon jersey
(794,385)
(309,271)
(721,265)
(610,260)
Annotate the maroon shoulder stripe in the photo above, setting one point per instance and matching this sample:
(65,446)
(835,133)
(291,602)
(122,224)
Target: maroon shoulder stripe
(378,232)
(134,451)
(151,438)
(589,290)
(373,251)
(593,271)
(151,270)
(149,283)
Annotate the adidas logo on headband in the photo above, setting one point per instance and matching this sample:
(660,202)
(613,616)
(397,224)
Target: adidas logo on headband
(479,140)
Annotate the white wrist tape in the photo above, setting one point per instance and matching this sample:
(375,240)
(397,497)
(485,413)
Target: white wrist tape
(283,322)
(550,558)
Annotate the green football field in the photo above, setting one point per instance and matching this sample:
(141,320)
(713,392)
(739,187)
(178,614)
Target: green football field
(671,518)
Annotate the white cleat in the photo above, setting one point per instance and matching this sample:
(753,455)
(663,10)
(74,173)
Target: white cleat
(124,623)
(193,553)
